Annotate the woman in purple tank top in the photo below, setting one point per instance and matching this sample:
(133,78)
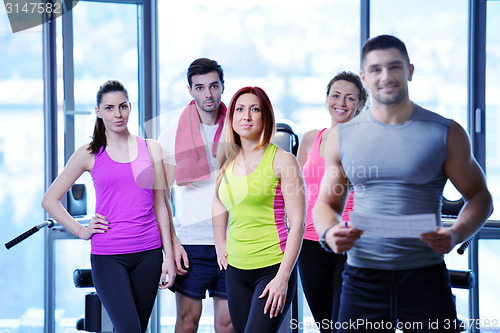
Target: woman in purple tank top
(321,271)
(131,226)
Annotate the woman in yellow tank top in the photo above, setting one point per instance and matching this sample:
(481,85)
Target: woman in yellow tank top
(256,242)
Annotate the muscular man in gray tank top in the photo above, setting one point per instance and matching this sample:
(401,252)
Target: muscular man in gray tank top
(398,157)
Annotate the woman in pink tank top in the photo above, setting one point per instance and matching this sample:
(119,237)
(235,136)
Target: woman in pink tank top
(131,226)
(321,271)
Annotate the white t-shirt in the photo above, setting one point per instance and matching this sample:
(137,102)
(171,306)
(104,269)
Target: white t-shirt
(193,220)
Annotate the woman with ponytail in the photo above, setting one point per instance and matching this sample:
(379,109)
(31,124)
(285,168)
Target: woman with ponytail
(131,226)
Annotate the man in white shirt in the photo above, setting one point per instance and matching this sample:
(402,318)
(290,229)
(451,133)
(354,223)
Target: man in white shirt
(190,162)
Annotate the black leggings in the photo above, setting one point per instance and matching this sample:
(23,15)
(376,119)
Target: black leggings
(246,309)
(127,285)
(321,277)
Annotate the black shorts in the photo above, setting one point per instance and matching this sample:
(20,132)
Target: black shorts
(203,274)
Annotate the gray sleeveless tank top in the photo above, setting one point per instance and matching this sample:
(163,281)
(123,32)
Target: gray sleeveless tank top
(395,170)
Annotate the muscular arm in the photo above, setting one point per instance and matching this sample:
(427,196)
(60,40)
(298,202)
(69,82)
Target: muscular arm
(331,199)
(468,178)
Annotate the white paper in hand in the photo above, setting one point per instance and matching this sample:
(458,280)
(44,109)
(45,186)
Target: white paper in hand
(404,226)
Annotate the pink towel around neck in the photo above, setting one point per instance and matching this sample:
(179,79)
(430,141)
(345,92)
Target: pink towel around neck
(190,154)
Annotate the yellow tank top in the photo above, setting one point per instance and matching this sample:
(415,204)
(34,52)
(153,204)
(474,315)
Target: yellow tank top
(257,231)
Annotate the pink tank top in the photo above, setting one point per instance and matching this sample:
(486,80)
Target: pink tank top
(124,194)
(313,172)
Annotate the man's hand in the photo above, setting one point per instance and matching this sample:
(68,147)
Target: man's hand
(442,241)
(340,239)
(180,257)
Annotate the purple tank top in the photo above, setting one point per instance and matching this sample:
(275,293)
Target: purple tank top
(124,194)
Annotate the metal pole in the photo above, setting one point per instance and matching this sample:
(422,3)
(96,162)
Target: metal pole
(50,155)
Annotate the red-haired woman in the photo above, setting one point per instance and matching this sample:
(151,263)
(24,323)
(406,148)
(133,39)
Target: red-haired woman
(256,184)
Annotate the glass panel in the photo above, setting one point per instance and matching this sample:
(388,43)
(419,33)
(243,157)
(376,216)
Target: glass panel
(21,177)
(493,103)
(291,49)
(105,48)
(435,34)
(489,295)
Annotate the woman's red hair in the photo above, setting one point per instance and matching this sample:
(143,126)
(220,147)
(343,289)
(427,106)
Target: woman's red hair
(268,122)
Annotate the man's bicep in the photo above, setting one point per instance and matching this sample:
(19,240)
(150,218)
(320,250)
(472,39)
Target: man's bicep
(334,185)
(460,166)
(334,188)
